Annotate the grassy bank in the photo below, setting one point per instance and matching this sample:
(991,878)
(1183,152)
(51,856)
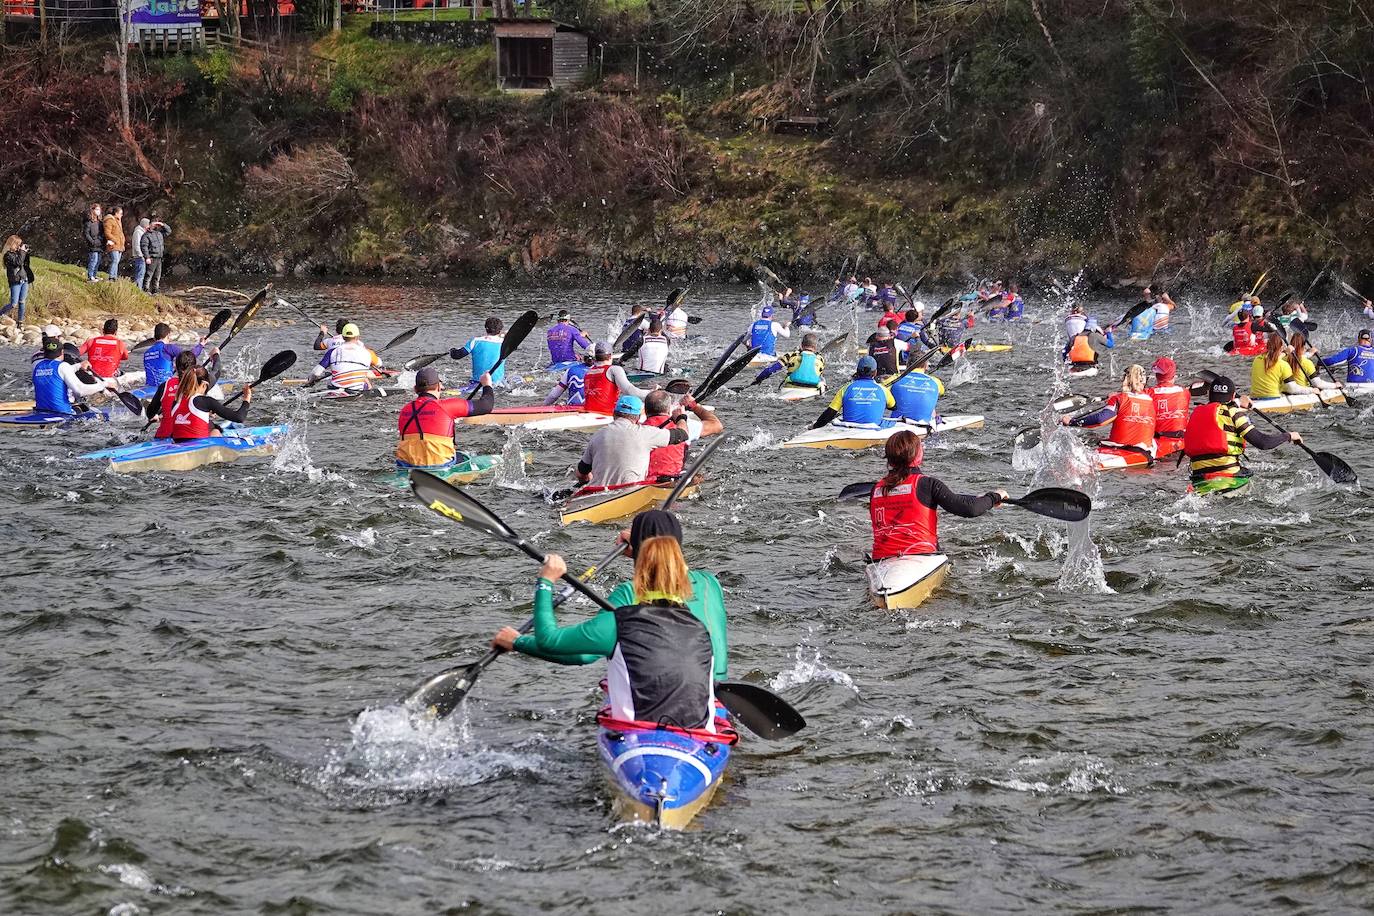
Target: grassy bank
(61,292)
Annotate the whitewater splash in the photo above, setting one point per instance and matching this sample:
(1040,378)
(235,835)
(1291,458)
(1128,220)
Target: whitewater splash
(808,670)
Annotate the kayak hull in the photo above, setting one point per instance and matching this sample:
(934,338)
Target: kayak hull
(906,582)
(518,416)
(462,472)
(1292,403)
(1222,487)
(799,393)
(659,777)
(1109,459)
(1089,372)
(613,505)
(857,437)
(45,420)
(162,455)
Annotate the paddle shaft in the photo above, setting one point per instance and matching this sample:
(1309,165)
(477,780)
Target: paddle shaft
(1301,445)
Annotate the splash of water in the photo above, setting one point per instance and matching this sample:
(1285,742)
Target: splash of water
(808,668)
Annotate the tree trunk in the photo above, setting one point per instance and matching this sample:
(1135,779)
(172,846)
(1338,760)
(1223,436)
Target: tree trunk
(122,40)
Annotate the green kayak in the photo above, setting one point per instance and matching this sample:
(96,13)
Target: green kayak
(463,472)
(1225,487)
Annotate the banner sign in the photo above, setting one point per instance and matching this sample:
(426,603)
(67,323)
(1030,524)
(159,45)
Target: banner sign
(165,13)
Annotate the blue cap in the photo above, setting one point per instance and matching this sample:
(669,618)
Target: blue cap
(629,404)
(805,299)
(868,364)
(767,312)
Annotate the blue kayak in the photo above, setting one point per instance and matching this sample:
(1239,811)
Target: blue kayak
(43,419)
(166,455)
(663,776)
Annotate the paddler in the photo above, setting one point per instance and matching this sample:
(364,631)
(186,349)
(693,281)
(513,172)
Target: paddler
(912,328)
(666,461)
(764,333)
(653,348)
(56,386)
(862,402)
(950,329)
(884,349)
(804,366)
(50,332)
(1163,306)
(605,381)
(1076,321)
(639,318)
(351,366)
(485,352)
(1218,432)
(572,383)
(903,505)
(662,660)
(106,351)
(1082,349)
(165,397)
(1131,411)
(194,407)
(1171,407)
(1304,369)
(1358,360)
(426,424)
(159,360)
(618,455)
(1244,340)
(1272,375)
(890,311)
(326,341)
(917,393)
(564,339)
(675,321)
(1016,306)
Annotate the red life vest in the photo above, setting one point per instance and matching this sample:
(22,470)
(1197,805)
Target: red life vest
(666,460)
(601,393)
(1204,436)
(169,400)
(104,353)
(1135,420)
(424,416)
(1082,350)
(901,524)
(190,423)
(1244,341)
(1171,417)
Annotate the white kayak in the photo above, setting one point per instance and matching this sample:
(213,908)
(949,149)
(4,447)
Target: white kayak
(763,359)
(1087,372)
(799,392)
(906,582)
(841,435)
(1289,403)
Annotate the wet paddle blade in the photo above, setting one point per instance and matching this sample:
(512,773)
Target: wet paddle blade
(760,710)
(727,373)
(1335,468)
(627,333)
(133,404)
(861,490)
(943,310)
(724,357)
(439,696)
(835,342)
(220,320)
(419,362)
(1072,402)
(274,367)
(142,345)
(250,310)
(1056,502)
(1131,312)
(452,503)
(1027,438)
(399,339)
(678,386)
(675,298)
(954,354)
(772,277)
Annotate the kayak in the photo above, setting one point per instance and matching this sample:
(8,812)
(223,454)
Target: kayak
(839,435)
(763,359)
(1113,459)
(663,776)
(1223,487)
(1087,372)
(540,416)
(330,395)
(297,382)
(466,471)
(165,455)
(621,502)
(906,582)
(983,348)
(42,419)
(799,392)
(1289,403)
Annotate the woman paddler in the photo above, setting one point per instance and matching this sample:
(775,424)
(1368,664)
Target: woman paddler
(1131,411)
(192,412)
(903,504)
(665,643)
(426,424)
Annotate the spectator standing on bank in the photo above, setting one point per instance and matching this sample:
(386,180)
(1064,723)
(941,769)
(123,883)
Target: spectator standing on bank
(18,276)
(114,239)
(136,251)
(94,236)
(154,247)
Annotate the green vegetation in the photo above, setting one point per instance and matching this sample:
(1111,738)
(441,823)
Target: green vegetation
(62,291)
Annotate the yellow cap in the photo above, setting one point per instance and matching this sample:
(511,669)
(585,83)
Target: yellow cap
(349,330)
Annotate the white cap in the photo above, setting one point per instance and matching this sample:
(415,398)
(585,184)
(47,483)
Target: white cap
(52,330)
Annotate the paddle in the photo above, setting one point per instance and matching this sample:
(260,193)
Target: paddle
(1305,329)
(1353,292)
(399,339)
(705,390)
(245,315)
(270,370)
(760,710)
(635,324)
(133,404)
(1131,312)
(1331,465)
(302,312)
(1052,502)
(948,359)
(221,317)
(834,343)
(674,300)
(1262,280)
(419,362)
(721,361)
(519,329)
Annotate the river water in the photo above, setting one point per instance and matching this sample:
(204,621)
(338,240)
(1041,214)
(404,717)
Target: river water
(1166,709)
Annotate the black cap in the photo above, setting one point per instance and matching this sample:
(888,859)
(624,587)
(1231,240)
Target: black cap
(1221,390)
(1363,334)
(654,523)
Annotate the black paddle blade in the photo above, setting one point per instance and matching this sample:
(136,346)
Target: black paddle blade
(132,403)
(452,503)
(942,311)
(954,354)
(628,332)
(1056,502)
(675,298)
(1131,312)
(142,345)
(678,386)
(861,490)
(220,320)
(760,710)
(400,339)
(275,366)
(419,362)
(684,479)
(727,373)
(836,341)
(519,329)
(723,358)
(1026,438)
(440,695)
(1335,468)
(250,310)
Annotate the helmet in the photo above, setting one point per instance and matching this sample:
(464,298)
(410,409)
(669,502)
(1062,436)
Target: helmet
(350,331)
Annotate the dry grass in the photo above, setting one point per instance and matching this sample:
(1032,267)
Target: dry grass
(61,291)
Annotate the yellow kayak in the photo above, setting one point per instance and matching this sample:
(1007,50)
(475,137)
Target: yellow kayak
(622,502)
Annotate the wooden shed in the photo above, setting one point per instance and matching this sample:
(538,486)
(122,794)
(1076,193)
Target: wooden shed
(538,54)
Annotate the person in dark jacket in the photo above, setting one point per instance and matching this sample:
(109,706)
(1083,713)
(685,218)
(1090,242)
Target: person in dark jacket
(18,275)
(93,234)
(154,245)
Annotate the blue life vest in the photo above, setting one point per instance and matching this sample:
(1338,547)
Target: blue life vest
(158,364)
(49,390)
(864,401)
(761,335)
(916,396)
(1359,363)
(908,329)
(1143,325)
(485,352)
(1016,309)
(575,381)
(806,373)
